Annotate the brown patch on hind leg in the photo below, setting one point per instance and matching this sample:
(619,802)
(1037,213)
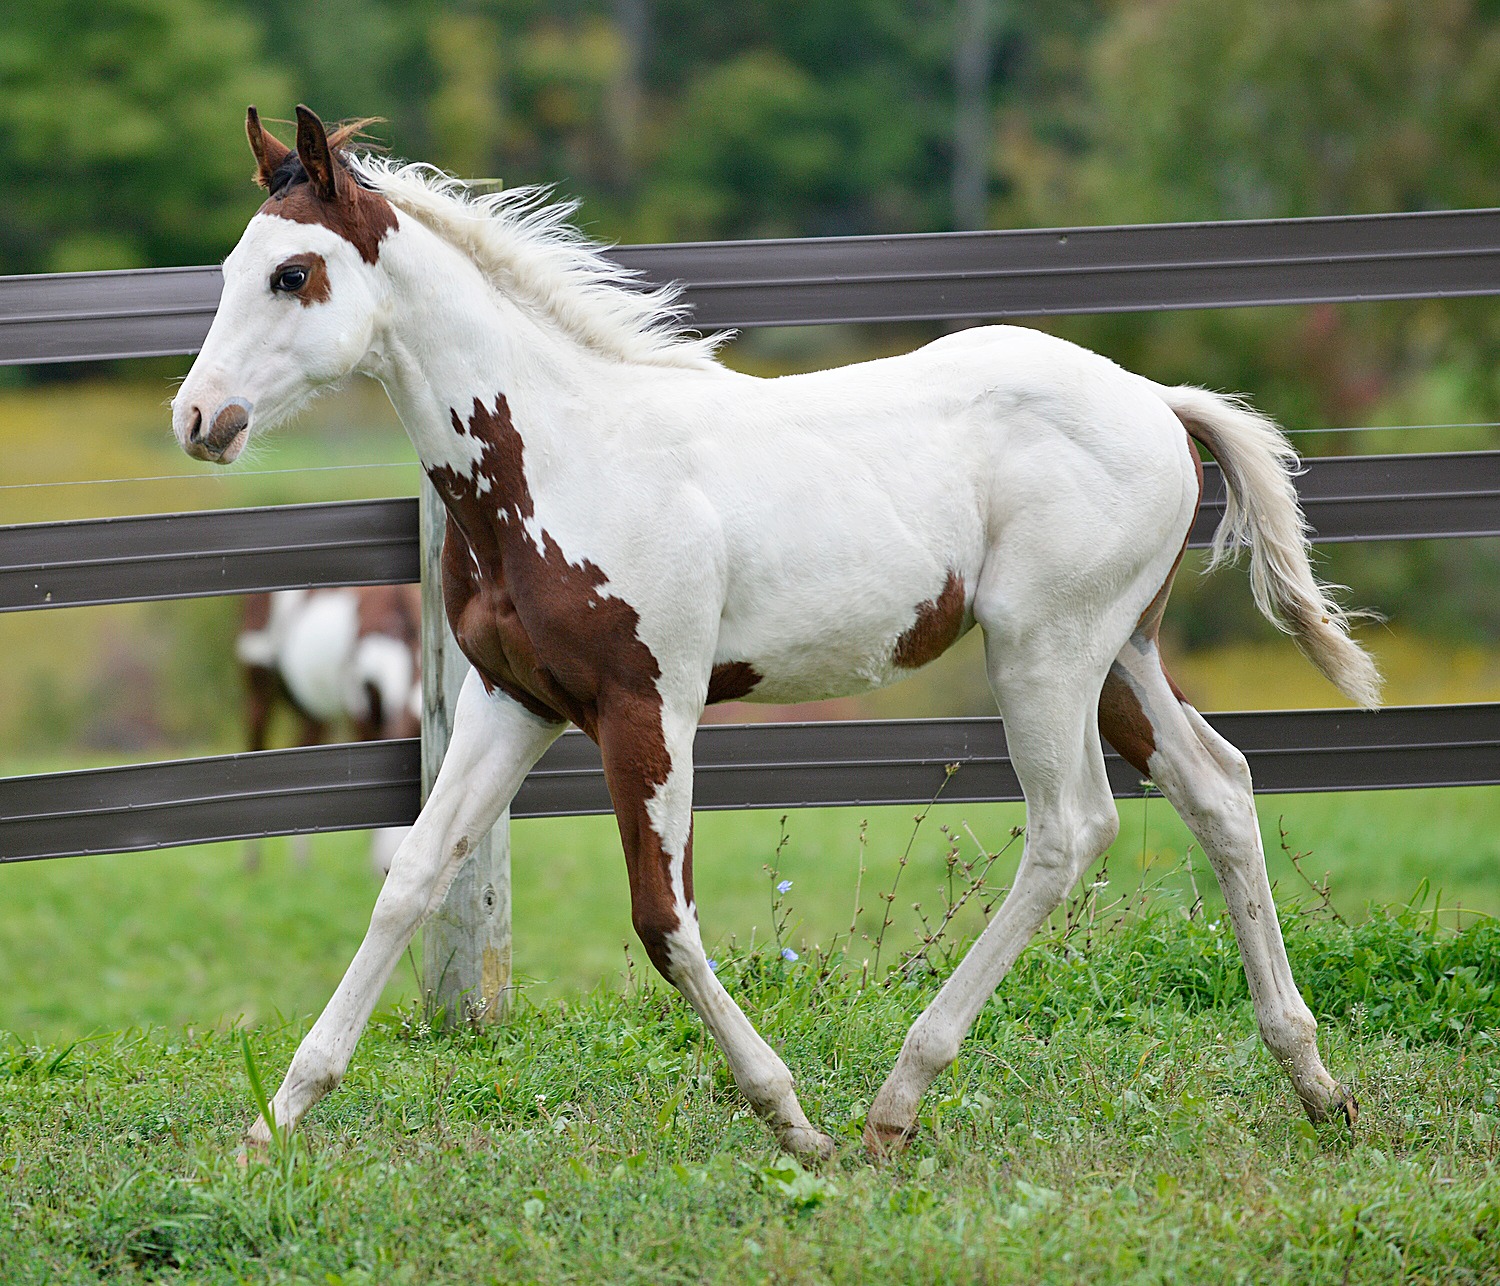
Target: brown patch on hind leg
(1123,721)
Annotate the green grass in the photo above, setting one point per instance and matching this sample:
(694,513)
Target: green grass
(1113,1119)
(189,937)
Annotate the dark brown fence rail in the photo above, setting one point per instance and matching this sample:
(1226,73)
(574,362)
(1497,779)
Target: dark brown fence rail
(736,284)
(374,542)
(93,316)
(788,765)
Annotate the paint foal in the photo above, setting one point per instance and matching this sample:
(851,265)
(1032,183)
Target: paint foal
(333,654)
(635,531)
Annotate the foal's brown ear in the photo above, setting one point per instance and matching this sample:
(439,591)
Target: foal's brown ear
(315,154)
(269,150)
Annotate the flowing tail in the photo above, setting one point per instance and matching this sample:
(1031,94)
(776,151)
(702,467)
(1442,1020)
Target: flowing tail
(1263,512)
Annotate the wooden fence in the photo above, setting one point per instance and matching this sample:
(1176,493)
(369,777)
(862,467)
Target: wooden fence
(101,316)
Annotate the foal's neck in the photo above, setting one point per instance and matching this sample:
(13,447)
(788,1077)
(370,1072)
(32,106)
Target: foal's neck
(450,337)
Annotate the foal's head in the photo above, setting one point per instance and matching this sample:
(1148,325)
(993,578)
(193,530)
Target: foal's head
(302,295)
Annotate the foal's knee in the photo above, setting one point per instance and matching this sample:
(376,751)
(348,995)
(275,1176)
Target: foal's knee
(415,887)
(1058,851)
(655,922)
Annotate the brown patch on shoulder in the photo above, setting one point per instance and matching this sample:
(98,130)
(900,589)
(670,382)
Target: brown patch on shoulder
(543,630)
(362,217)
(732,680)
(939,622)
(1124,723)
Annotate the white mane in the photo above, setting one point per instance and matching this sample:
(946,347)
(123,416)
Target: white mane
(526,248)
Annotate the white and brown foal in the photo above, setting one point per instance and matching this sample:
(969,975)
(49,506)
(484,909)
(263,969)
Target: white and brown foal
(332,655)
(635,531)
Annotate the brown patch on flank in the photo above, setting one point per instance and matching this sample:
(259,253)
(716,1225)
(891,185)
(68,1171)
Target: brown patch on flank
(543,630)
(732,680)
(1124,724)
(939,622)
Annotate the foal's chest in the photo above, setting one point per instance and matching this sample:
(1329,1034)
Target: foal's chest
(537,626)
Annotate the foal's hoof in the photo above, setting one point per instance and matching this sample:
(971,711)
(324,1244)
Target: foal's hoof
(255,1144)
(883,1140)
(1341,1103)
(806,1143)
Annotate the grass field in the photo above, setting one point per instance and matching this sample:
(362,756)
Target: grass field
(1114,1119)
(191,938)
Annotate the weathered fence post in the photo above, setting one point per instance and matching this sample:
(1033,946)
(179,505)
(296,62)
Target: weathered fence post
(466,942)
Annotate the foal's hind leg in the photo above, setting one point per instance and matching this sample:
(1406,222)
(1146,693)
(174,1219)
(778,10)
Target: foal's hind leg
(648,764)
(1207,780)
(1053,738)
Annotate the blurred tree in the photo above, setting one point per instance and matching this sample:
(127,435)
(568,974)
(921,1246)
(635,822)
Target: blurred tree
(121,132)
(464,115)
(350,58)
(1211,109)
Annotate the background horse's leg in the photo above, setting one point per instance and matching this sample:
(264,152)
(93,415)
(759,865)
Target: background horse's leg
(495,742)
(1208,782)
(656,829)
(1053,736)
(261,691)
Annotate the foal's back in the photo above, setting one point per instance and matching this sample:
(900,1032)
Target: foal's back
(864,510)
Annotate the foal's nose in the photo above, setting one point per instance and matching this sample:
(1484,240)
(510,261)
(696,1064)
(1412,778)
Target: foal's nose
(224,435)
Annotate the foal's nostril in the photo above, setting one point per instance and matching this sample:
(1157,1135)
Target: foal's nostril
(195,429)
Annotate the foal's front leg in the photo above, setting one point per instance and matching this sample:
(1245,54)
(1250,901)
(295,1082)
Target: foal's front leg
(648,763)
(495,742)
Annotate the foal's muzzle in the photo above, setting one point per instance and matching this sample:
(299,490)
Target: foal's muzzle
(222,438)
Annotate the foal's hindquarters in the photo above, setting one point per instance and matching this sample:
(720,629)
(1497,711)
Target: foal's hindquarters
(1085,666)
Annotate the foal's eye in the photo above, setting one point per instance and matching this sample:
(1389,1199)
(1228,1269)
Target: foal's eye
(290,279)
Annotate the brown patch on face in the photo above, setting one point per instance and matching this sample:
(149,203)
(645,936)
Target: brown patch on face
(316,288)
(1124,723)
(543,630)
(732,680)
(363,218)
(939,622)
(313,184)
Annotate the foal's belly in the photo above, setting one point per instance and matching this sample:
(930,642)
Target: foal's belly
(811,641)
